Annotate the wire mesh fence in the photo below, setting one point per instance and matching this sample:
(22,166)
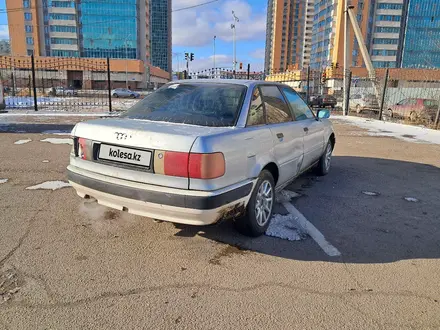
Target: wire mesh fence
(401,95)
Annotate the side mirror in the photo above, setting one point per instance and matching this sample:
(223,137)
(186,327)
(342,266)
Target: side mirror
(323,113)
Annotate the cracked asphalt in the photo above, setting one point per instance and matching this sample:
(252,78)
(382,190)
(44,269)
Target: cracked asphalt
(67,263)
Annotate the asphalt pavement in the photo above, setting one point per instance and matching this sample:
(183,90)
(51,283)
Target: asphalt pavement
(68,263)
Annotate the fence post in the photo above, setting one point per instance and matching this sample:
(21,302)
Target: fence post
(34,83)
(109,86)
(384,90)
(437,116)
(347,94)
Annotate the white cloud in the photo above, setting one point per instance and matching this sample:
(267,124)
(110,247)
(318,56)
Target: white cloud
(4,32)
(196,27)
(257,53)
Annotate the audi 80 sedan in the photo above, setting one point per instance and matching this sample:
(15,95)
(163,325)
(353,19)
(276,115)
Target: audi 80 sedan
(197,152)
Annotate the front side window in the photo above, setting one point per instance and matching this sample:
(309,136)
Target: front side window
(256,110)
(202,104)
(277,110)
(299,107)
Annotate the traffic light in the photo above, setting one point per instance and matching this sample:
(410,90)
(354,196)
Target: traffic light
(191,58)
(241,66)
(324,77)
(186,56)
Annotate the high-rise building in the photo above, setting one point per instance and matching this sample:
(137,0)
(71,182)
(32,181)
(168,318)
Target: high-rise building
(160,34)
(328,32)
(388,35)
(421,42)
(128,29)
(397,33)
(285,42)
(309,14)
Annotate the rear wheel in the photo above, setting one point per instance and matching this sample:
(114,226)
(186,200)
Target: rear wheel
(325,161)
(260,207)
(115,95)
(133,96)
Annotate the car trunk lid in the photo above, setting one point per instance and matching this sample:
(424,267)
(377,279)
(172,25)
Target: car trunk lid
(116,145)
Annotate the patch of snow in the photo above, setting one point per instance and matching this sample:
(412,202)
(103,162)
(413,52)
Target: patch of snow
(3,180)
(286,196)
(284,227)
(411,199)
(22,141)
(45,161)
(400,131)
(50,185)
(370,193)
(58,141)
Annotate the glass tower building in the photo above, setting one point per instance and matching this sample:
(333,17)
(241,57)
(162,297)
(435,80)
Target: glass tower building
(109,29)
(117,29)
(160,33)
(421,42)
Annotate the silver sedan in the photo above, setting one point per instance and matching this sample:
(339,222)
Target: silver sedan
(197,152)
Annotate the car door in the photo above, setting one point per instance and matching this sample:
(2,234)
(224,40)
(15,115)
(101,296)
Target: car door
(313,129)
(287,135)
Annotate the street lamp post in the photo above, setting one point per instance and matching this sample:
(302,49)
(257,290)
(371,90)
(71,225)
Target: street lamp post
(126,61)
(236,20)
(214,57)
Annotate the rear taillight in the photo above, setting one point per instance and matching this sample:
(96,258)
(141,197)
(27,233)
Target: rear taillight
(190,165)
(206,166)
(82,148)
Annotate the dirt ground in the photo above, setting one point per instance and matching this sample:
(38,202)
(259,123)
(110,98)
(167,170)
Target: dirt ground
(68,263)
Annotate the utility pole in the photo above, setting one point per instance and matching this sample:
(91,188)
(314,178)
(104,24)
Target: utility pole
(236,20)
(214,57)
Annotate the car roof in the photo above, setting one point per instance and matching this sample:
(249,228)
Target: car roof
(248,83)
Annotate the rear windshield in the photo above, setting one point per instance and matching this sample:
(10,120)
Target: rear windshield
(195,104)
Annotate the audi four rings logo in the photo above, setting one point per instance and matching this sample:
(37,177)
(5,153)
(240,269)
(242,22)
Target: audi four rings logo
(121,136)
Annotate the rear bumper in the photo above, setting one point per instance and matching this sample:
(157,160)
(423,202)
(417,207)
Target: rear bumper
(169,204)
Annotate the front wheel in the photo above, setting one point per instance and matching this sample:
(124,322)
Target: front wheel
(325,161)
(260,207)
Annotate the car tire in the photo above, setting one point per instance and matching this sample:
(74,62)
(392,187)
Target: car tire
(260,207)
(133,96)
(69,94)
(325,161)
(115,95)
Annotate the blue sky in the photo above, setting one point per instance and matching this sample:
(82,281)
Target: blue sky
(194,30)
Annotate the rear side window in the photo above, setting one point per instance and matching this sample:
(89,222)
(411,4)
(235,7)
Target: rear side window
(199,104)
(277,110)
(299,107)
(256,110)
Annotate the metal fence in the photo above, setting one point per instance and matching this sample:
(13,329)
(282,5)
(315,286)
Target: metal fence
(63,84)
(410,96)
(400,95)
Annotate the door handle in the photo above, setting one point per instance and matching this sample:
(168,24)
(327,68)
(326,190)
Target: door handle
(280,135)
(306,129)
